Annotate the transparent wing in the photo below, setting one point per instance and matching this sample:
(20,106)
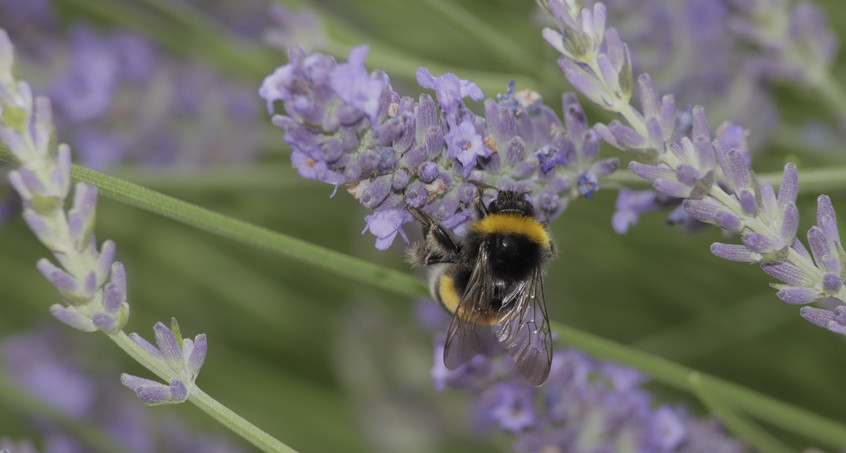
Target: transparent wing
(466,338)
(524,331)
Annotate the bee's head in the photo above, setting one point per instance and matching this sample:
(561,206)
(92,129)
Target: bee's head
(512,202)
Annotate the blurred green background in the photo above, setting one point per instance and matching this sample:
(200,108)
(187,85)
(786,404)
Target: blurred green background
(327,364)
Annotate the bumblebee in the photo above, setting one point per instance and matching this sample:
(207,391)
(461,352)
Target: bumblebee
(491,281)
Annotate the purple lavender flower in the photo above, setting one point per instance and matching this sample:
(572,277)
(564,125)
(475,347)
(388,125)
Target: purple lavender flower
(182,357)
(630,206)
(585,405)
(449,89)
(713,177)
(400,152)
(90,283)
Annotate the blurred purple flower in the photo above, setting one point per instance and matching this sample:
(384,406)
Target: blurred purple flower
(57,368)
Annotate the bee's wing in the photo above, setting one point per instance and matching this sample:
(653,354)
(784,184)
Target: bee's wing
(525,332)
(465,338)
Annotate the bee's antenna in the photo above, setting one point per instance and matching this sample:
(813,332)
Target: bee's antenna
(481,186)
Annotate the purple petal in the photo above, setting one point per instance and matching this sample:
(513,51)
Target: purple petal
(72,317)
(104,322)
(178,390)
(651,172)
(819,245)
(60,279)
(798,296)
(688,174)
(198,355)
(748,202)
(151,350)
(151,392)
(790,223)
(788,273)
(672,188)
(823,318)
(758,242)
(789,185)
(449,89)
(168,345)
(826,219)
(728,221)
(648,97)
(385,224)
(355,86)
(630,205)
(832,282)
(626,136)
(735,252)
(104,261)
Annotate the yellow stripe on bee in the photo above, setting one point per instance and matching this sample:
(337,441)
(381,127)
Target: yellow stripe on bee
(447,294)
(513,224)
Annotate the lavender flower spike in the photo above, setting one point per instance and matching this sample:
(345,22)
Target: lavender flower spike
(712,177)
(181,357)
(90,283)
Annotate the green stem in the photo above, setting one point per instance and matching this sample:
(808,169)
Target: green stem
(495,39)
(202,400)
(739,425)
(221,225)
(764,408)
(832,95)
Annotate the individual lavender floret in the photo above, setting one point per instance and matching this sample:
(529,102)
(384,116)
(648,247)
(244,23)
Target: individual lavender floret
(183,357)
(91,284)
(347,126)
(713,177)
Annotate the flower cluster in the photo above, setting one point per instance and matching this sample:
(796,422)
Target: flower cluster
(585,405)
(713,177)
(91,284)
(183,358)
(347,126)
(56,368)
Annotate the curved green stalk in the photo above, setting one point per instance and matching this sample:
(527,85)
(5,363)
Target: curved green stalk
(762,407)
(196,216)
(502,47)
(741,426)
(206,403)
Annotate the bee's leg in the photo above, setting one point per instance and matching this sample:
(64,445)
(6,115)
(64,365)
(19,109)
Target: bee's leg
(437,246)
(479,207)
